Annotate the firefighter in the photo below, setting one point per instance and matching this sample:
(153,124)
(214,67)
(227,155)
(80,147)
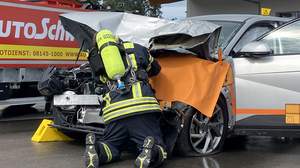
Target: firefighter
(130,109)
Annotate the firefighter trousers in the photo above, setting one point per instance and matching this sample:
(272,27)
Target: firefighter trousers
(131,129)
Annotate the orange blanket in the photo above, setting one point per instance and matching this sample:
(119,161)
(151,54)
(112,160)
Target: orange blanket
(190,80)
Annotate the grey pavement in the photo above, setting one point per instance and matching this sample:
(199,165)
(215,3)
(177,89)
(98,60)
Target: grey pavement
(17,151)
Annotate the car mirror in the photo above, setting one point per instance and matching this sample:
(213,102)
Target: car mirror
(255,49)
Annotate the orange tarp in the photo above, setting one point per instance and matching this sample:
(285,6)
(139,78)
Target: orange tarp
(190,80)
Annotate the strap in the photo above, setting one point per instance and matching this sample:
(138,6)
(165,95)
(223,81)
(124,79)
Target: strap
(129,50)
(107,44)
(136,90)
(133,62)
(107,99)
(131,58)
(103,79)
(128,45)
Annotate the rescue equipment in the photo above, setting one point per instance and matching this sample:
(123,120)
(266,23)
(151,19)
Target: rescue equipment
(111,57)
(46,133)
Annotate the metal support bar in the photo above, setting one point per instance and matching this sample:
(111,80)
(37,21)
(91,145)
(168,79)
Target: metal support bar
(71,100)
(84,129)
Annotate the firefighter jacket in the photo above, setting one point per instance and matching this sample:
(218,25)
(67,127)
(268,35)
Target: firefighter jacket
(139,98)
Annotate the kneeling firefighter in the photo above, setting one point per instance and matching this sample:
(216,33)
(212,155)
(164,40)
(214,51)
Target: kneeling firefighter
(130,109)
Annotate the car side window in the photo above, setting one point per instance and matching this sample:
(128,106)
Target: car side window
(252,34)
(285,40)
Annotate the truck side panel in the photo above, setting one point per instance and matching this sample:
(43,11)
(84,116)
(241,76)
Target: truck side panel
(31,39)
(30,36)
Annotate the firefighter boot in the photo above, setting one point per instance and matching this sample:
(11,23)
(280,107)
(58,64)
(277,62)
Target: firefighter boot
(91,157)
(144,158)
(159,155)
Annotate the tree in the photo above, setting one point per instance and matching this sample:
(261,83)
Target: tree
(141,7)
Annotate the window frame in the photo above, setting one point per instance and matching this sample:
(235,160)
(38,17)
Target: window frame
(241,24)
(268,23)
(260,22)
(277,29)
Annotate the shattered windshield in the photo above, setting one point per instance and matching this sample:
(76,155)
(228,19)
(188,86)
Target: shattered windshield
(229,29)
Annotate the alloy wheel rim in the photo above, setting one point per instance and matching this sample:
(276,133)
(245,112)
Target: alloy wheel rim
(206,133)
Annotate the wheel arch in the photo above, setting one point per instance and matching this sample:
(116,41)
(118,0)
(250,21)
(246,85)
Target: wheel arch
(226,97)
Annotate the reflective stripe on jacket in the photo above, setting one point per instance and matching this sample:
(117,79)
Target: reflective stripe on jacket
(140,99)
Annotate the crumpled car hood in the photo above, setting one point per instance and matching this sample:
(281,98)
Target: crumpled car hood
(184,36)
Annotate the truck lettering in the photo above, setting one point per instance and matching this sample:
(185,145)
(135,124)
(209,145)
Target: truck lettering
(18,26)
(43,35)
(69,37)
(6,32)
(51,35)
(59,32)
(30,30)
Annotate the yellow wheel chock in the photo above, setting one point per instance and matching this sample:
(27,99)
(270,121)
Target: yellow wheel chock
(46,133)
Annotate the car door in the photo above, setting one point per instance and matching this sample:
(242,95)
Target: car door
(265,86)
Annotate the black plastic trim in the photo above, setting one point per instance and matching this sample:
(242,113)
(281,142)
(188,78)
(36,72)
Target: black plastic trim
(84,129)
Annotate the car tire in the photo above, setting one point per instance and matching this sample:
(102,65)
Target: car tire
(202,136)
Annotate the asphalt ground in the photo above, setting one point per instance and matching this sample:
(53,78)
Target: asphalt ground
(17,151)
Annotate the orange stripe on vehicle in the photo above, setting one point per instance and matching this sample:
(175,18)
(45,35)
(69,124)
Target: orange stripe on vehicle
(261,111)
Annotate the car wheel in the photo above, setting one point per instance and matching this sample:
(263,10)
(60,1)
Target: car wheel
(201,135)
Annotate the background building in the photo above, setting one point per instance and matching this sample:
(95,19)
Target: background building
(283,8)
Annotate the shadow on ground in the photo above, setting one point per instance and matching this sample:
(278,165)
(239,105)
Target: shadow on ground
(245,152)
(239,152)
(16,111)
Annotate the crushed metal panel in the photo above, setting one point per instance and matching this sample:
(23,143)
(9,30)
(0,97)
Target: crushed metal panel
(188,36)
(141,29)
